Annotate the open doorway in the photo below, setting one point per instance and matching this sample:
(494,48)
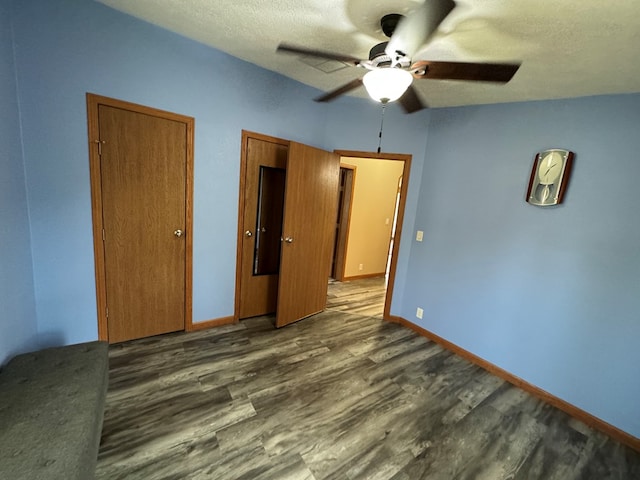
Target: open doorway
(393,171)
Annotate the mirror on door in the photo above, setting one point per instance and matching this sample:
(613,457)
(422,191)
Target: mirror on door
(266,258)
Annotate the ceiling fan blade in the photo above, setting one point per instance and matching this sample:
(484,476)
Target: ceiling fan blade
(327,97)
(480,72)
(283,47)
(413,30)
(410,101)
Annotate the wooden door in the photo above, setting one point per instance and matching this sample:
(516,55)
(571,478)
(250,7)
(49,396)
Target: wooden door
(261,225)
(143,179)
(309,227)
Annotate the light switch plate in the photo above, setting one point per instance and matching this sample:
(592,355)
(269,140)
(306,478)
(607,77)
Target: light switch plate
(419,235)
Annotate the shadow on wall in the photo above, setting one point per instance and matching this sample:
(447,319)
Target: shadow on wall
(50,339)
(32,344)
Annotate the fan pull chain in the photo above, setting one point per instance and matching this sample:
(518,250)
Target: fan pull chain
(384,106)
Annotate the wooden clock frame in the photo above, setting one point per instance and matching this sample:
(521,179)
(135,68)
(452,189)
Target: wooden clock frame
(562,182)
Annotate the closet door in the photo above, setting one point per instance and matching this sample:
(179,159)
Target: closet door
(141,164)
(262,194)
(310,210)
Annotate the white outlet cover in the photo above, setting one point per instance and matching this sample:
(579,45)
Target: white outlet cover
(419,235)
(419,312)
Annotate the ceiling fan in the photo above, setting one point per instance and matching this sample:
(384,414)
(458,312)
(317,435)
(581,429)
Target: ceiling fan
(391,69)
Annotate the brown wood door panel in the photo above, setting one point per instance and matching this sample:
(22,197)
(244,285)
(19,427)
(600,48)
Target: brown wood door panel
(309,221)
(143,177)
(258,293)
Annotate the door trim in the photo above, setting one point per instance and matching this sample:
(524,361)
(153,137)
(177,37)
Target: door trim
(401,157)
(246,135)
(93,101)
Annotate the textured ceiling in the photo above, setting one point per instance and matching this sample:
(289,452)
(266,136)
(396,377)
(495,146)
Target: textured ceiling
(568,48)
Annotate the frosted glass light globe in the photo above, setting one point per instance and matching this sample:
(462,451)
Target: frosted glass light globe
(387,84)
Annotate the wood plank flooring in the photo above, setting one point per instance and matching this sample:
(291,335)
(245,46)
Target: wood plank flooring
(340,395)
(365,297)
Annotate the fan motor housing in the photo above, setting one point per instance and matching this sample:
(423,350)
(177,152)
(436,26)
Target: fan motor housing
(378,56)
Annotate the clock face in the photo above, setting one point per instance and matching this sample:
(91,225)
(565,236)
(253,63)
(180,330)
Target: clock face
(550,168)
(549,177)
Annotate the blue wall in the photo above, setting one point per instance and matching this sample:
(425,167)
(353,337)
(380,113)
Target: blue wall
(551,295)
(18,329)
(67,48)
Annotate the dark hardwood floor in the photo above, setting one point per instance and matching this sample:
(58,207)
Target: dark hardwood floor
(365,297)
(340,395)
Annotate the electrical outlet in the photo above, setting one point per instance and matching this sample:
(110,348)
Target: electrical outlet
(419,235)
(419,312)
(360,267)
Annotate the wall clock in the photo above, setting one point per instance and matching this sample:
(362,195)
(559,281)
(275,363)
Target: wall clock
(549,177)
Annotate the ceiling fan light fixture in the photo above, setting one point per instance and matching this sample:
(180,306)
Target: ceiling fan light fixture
(387,84)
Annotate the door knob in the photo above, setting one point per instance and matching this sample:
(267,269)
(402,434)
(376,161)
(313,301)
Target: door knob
(178,233)
(288,239)
(248,233)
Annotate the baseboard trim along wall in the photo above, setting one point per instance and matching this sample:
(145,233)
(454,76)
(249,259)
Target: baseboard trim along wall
(362,277)
(587,418)
(218,322)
